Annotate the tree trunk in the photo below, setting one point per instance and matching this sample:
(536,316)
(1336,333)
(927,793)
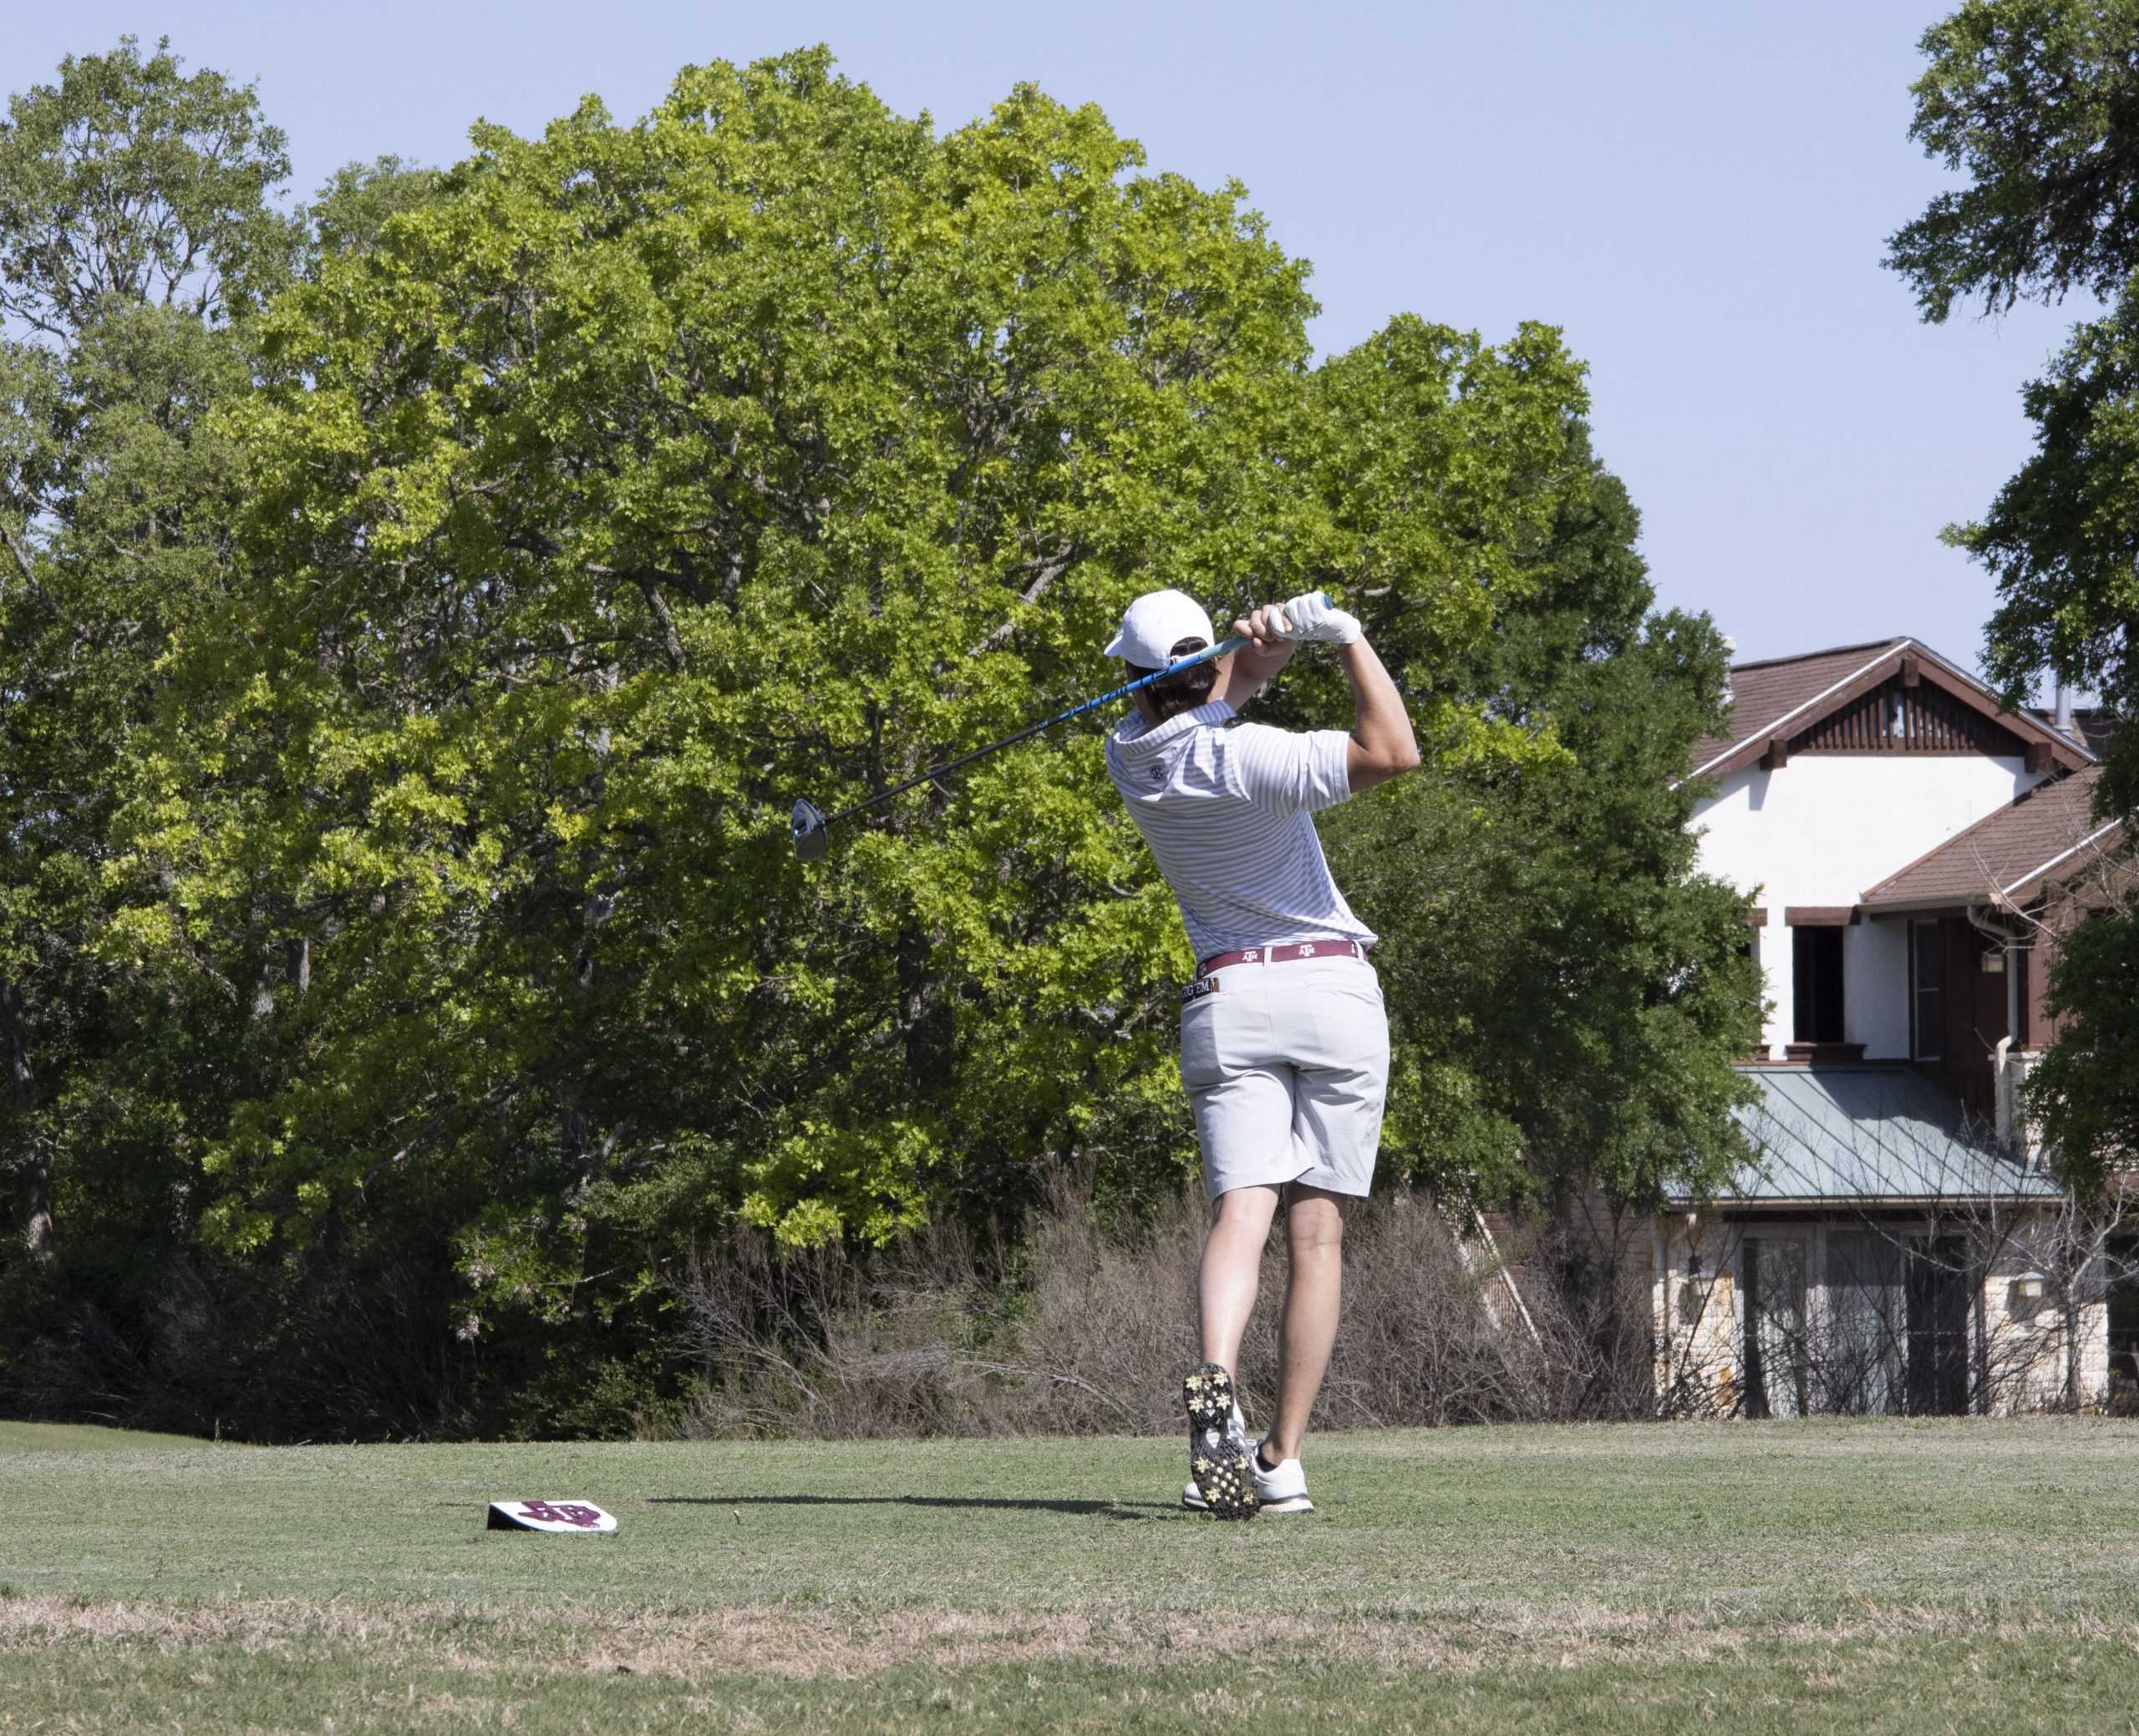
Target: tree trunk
(30,1156)
(2072,1389)
(1979,1309)
(579,1147)
(925,1020)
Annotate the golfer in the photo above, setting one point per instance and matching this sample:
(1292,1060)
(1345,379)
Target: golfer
(1284,1048)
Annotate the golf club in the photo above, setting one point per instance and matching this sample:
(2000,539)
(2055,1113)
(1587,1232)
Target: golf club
(811,827)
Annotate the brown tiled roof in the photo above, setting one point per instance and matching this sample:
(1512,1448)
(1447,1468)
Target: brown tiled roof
(2092,725)
(2096,724)
(2006,856)
(1764,693)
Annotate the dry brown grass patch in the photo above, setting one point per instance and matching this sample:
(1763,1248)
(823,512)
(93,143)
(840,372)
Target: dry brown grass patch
(931,1338)
(770,1639)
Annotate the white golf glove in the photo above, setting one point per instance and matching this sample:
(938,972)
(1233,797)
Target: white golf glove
(1312,620)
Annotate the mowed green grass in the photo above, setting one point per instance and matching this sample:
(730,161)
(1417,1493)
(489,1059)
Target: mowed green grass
(82,1438)
(1866,1576)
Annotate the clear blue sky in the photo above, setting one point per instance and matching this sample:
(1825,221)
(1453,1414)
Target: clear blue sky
(1699,194)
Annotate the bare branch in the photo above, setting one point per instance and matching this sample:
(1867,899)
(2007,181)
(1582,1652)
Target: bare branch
(1045,571)
(23,562)
(670,641)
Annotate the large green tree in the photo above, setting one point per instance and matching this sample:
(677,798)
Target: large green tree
(134,230)
(630,481)
(138,239)
(2036,102)
(403,681)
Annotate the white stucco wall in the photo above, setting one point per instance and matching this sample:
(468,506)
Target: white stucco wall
(1824,829)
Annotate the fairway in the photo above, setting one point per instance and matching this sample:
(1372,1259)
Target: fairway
(1884,1575)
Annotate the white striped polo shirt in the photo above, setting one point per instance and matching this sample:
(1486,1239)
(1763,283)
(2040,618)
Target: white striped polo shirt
(1224,812)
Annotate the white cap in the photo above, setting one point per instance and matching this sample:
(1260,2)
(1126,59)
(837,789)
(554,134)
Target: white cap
(1155,623)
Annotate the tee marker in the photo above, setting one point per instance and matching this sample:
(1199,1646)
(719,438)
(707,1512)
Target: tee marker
(549,1517)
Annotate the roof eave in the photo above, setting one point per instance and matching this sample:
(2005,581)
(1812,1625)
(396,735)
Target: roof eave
(1729,760)
(2055,871)
(1922,903)
(1860,1202)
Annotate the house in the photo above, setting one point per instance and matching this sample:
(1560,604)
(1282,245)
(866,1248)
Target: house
(1914,851)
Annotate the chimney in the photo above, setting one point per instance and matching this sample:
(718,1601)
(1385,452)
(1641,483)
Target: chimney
(2063,704)
(1729,651)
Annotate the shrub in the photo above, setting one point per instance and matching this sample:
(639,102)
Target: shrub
(1086,1328)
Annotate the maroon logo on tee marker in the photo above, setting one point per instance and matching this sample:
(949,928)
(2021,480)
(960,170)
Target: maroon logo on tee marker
(553,1516)
(561,1513)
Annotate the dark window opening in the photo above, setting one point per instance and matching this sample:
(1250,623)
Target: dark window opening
(1777,1374)
(1817,976)
(1926,972)
(1865,1336)
(1937,1292)
(2123,1255)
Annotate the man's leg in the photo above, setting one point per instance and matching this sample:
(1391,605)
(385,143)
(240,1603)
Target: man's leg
(1232,1263)
(1315,1290)
(1221,1482)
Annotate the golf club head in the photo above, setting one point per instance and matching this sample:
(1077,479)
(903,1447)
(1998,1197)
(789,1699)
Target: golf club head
(812,839)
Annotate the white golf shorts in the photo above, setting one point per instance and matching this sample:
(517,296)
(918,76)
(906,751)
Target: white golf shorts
(1287,1066)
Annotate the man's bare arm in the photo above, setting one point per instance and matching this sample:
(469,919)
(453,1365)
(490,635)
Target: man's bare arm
(1382,745)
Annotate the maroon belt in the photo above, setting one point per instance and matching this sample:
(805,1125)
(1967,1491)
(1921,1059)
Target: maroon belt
(1282,954)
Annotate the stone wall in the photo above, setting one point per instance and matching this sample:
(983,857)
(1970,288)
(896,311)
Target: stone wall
(2016,1340)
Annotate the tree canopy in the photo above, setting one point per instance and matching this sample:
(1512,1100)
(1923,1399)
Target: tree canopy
(134,227)
(129,183)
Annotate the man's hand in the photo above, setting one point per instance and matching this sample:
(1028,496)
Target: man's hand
(1269,627)
(1313,620)
(1249,670)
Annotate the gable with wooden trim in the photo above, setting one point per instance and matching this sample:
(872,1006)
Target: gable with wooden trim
(1891,696)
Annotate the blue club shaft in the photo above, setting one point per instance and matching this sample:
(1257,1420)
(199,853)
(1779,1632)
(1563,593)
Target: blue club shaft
(1010,741)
